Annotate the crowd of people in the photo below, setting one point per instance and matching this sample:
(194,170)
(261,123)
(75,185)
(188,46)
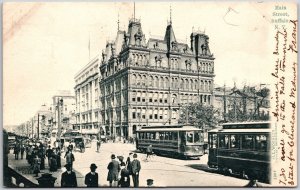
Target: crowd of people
(36,154)
(120,171)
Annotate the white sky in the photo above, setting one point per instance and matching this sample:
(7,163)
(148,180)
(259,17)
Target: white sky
(46,44)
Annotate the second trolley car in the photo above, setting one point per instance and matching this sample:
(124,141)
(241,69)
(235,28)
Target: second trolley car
(175,140)
(242,148)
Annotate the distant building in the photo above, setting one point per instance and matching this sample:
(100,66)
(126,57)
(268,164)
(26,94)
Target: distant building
(145,83)
(63,109)
(87,99)
(242,104)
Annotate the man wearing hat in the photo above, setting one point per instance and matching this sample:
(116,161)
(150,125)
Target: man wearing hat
(113,171)
(91,179)
(68,178)
(136,167)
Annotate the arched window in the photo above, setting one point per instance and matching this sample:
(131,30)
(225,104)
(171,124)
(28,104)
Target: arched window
(144,80)
(166,82)
(196,85)
(156,82)
(182,84)
(133,80)
(161,82)
(150,82)
(192,84)
(174,98)
(187,84)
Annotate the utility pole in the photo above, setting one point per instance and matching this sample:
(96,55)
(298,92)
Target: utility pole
(225,106)
(38,127)
(32,128)
(59,104)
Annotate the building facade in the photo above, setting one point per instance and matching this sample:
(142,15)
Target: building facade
(87,99)
(63,109)
(145,83)
(248,103)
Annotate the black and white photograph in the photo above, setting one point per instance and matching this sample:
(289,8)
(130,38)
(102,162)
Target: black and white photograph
(150,94)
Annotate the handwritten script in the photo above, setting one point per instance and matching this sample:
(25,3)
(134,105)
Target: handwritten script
(284,99)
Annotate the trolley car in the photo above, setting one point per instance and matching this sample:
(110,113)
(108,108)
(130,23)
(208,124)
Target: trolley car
(175,140)
(242,148)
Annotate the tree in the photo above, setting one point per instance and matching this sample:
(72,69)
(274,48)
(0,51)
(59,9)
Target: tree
(199,115)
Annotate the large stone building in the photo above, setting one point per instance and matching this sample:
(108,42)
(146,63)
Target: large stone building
(87,99)
(145,83)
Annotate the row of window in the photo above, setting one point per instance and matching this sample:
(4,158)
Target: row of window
(243,141)
(188,137)
(164,82)
(88,73)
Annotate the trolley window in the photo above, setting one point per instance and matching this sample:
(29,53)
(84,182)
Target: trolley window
(224,141)
(175,136)
(248,142)
(189,137)
(234,141)
(261,142)
(213,141)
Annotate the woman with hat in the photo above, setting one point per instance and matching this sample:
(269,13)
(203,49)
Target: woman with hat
(113,171)
(91,179)
(125,177)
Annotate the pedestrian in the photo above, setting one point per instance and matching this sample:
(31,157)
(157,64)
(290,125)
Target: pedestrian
(27,150)
(68,178)
(16,151)
(98,145)
(30,154)
(58,159)
(41,153)
(121,160)
(22,151)
(36,165)
(149,151)
(70,158)
(49,154)
(252,179)
(66,145)
(125,176)
(128,163)
(81,146)
(113,171)
(53,160)
(91,179)
(149,182)
(136,167)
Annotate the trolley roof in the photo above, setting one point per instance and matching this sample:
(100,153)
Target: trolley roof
(247,125)
(169,128)
(245,131)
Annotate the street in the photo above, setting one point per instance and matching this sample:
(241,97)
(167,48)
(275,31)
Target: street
(166,172)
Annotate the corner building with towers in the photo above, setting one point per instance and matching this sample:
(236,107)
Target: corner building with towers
(146,83)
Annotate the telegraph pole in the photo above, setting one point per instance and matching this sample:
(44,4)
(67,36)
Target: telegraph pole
(38,127)
(32,128)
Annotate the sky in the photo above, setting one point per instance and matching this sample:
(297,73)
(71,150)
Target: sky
(46,44)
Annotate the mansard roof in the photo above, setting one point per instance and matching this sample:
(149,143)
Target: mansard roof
(119,41)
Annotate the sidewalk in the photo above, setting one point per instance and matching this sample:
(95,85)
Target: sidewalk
(23,168)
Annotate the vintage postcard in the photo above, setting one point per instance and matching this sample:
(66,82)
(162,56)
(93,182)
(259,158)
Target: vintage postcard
(150,94)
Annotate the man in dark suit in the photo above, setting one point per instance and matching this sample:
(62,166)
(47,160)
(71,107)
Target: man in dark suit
(136,167)
(68,178)
(113,171)
(91,179)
